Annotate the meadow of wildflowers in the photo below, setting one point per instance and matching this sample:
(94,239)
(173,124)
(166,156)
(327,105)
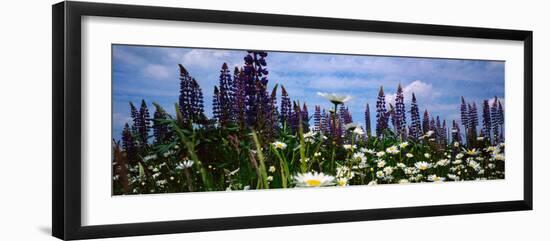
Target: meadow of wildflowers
(254,141)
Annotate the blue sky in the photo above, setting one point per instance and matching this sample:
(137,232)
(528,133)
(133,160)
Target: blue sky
(151,73)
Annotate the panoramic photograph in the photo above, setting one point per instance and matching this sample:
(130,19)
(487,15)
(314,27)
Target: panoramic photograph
(188,119)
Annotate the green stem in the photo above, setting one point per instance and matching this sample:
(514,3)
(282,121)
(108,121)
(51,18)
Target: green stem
(263,172)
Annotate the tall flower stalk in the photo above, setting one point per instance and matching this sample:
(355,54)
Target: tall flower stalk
(381,114)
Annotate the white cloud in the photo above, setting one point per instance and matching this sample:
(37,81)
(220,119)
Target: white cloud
(159,72)
(422,90)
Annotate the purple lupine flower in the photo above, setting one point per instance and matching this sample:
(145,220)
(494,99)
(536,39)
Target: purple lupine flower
(336,127)
(415,119)
(272,115)
(381,116)
(318,126)
(294,119)
(305,117)
(426,122)
(225,98)
(325,122)
(191,101)
(145,123)
(432,124)
(474,121)
(444,135)
(160,130)
(500,115)
(495,120)
(345,115)
(255,75)
(239,97)
(134,113)
(285,107)
(367,120)
(438,130)
(185,104)
(128,143)
(400,118)
(250,90)
(216,110)
(486,116)
(464,115)
(197,102)
(455,132)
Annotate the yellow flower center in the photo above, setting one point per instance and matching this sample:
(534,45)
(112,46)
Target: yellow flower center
(313,183)
(341,182)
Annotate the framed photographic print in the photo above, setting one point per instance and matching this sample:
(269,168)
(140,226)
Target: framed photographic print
(170,120)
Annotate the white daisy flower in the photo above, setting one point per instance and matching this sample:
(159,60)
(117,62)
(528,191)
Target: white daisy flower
(427,155)
(392,150)
(184,164)
(342,182)
(472,152)
(359,131)
(388,170)
(269,178)
(279,145)
(435,178)
(403,144)
(379,174)
(359,156)
(313,179)
(309,134)
(422,165)
(381,163)
(380,154)
(373,182)
(349,147)
(335,98)
(453,177)
(409,155)
(499,157)
(351,126)
(410,170)
(272,169)
(443,162)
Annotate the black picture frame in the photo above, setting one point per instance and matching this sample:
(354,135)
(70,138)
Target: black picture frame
(66,47)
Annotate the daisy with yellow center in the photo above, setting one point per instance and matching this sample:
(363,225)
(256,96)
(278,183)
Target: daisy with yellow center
(279,145)
(313,179)
(392,150)
(422,165)
(472,152)
(342,182)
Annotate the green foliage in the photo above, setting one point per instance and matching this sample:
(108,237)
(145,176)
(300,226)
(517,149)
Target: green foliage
(211,158)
